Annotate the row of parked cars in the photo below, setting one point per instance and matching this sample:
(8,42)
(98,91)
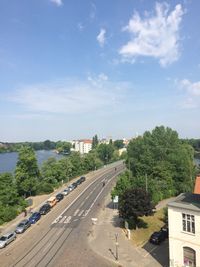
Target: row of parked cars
(160,236)
(44,209)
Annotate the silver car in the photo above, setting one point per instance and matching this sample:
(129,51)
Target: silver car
(22,226)
(6,239)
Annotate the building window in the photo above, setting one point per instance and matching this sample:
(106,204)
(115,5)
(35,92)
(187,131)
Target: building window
(188,223)
(189,257)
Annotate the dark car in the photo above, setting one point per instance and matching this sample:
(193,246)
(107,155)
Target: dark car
(34,217)
(45,209)
(157,237)
(82,179)
(59,196)
(165,231)
(78,182)
(74,184)
(22,226)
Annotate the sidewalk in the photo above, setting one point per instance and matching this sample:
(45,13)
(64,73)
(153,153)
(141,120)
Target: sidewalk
(103,241)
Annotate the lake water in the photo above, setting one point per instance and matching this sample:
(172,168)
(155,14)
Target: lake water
(8,160)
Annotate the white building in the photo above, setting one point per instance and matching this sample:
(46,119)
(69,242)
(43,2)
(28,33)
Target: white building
(184,230)
(83,146)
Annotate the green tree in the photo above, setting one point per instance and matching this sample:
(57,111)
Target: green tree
(162,158)
(95,141)
(118,144)
(26,172)
(105,152)
(63,147)
(134,203)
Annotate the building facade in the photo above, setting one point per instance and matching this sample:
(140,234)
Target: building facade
(184,230)
(83,146)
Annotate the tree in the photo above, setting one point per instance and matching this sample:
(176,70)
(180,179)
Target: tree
(105,152)
(27,172)
(95,141)
(134,203)
(63,147)
(118,144)
(164,160)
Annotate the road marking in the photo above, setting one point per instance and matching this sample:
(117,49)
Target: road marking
(68,219)
(57,233)
(57,219)
(86,213)
(81,213)
(75,220)
(148,253)
(76,212)
(48,245)
(62,220)
(87,188)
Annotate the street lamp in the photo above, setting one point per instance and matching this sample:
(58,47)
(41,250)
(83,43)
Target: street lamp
(116,246)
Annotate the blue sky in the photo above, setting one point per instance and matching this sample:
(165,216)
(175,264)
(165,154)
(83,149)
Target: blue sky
(72,69)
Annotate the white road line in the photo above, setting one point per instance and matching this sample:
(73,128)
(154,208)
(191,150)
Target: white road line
(86,213)
(148,253)
(80,213)
(76,212)
(57,233)
(57,219)
(68,219)
(48,245)
(62,220)
(84,192)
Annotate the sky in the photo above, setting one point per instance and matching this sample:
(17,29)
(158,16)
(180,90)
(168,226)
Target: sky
(70,69)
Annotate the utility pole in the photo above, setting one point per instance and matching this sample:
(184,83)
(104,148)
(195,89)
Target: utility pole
(117,244)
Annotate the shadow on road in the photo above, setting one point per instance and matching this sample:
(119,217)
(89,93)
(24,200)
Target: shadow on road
(159,252)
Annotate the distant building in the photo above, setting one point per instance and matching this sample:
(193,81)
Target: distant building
(184,230)
(83,146)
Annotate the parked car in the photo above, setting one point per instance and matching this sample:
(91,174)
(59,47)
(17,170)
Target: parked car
(78,182)
(22,226)
(34,217)
(74,184)
(7,238)
(71,187)
(52,201)
(45,209)
(66,191)
(157,237)
(59,196)
(82,179)
(165,231)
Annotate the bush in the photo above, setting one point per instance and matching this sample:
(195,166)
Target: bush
(7,213)
(44,188)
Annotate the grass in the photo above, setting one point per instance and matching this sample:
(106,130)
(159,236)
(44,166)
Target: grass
(141,235)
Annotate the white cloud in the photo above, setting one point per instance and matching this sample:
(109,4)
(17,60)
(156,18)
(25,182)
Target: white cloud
(192,89)
(66,97)
(101,37)
(57,2)
(80,26)
(155,35)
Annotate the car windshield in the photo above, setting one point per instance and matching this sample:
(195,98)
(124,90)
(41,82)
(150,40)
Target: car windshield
(3,238)
(21,225)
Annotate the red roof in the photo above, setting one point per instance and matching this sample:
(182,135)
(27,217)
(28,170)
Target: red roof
(197,186)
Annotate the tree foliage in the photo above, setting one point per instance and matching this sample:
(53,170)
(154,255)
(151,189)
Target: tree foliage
(10,202)
(133,203)
(105,152)
(95,141)
(27,172)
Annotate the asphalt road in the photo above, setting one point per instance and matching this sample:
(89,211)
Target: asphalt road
(60,237)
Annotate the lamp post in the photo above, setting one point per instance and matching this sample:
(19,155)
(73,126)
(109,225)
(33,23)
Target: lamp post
(116,246)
